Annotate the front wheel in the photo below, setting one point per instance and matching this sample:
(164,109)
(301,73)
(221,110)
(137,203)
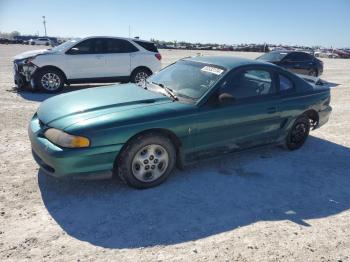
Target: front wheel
(147,161)
(50,80)
(298,133)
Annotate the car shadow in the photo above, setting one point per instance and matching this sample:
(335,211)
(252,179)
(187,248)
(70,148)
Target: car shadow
(40,96)
(209,198)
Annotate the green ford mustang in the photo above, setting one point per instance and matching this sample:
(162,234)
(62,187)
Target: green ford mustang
(195,108)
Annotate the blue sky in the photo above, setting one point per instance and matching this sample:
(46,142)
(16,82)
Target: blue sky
(313,22)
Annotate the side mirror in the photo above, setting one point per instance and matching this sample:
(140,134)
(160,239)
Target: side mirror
(226,98)
(73,51)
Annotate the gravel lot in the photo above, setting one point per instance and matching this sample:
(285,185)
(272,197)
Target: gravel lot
(266,205)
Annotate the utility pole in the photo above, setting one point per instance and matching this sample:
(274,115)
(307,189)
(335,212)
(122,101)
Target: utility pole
(44,22)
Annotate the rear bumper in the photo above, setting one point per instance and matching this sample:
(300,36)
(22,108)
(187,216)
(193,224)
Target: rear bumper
(324,116)
(320,70)
(91,162)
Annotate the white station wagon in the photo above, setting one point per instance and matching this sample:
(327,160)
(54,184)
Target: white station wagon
(88,60)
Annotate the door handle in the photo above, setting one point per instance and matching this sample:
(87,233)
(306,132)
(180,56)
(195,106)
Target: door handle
(271,110)
(99,56)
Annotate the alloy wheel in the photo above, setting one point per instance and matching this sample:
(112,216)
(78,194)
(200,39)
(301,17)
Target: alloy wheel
(141,77)
(50,81)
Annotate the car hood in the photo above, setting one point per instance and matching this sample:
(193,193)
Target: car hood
(68,109)
(31,54)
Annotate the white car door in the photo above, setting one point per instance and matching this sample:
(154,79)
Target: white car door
(118,58)
(86,59)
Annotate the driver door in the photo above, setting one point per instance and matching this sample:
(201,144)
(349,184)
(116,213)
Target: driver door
(250,119)
(86,59)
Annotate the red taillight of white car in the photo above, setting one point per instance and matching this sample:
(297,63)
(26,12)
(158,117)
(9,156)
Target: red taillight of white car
(159,57)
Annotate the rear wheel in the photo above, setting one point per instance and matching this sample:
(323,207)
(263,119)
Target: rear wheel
(50,80)
(313,72)
(298,133)
(140,75)
(147,161)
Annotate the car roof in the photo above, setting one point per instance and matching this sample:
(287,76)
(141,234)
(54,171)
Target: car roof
(283,51)
(116,37)
(289,51)
(228,62)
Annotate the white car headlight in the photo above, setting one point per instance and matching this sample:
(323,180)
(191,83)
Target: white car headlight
(63,139)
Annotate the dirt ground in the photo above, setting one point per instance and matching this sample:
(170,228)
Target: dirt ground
(266,205)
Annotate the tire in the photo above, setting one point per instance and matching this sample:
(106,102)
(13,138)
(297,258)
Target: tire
(146,161)
(43,78)
(298,133)
(139,75)
(313,72)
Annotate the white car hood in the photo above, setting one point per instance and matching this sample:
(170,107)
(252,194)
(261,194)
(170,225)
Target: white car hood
(31,53)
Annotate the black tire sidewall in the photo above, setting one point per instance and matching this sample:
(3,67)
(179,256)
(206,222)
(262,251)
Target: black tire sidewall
(41,73)
(125,159)
(313,72)
(289,144)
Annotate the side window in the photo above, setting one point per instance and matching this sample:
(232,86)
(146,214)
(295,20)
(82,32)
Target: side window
(299,57)
(250,83)
(119,46)
(99,46)
(286,85)
(85,47)
(291,57)
(306,57)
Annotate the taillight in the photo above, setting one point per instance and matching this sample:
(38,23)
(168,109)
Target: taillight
(159,57)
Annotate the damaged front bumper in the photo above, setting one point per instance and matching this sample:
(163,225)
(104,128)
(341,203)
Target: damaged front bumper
(23,74)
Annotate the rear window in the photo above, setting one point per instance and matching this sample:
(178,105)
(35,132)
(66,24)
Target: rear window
(148,46)
(273,56)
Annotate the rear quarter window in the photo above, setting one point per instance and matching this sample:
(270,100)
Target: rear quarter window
(119,46)
(286,85)
(148,46)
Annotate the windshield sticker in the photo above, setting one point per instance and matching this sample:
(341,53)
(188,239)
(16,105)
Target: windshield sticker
(213,70)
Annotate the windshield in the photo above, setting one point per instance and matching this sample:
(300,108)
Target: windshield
(273,56)
(66,44)
(187,78)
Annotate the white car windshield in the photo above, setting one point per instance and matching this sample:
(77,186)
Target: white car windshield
(66,44)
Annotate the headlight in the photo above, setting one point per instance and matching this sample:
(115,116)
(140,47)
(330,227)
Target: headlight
(28,60)
(63,139)
(25,61)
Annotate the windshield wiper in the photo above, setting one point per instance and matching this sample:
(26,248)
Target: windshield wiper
(168,90)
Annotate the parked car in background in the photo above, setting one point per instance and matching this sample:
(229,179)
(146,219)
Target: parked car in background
(5,41)
(88,60)
(295,61)
(40,41)
(326,54)
(195,108)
